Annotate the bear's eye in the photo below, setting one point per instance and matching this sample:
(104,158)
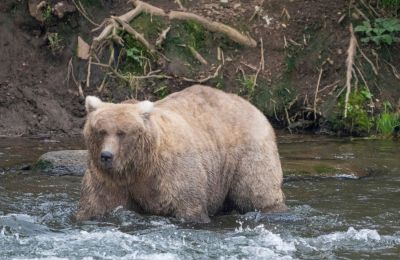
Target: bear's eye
(121,133)
(102,132)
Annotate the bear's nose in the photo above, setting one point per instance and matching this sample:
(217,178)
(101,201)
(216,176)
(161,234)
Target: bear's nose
(106,156)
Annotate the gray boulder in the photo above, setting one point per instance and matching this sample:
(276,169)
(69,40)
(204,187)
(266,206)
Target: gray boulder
(67,162)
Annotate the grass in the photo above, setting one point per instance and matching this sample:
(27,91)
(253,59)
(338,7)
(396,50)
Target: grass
(248,85)
(55,42)
(47,13)
(387,123)
(162,91)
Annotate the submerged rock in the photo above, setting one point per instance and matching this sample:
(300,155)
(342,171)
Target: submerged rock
(68,162)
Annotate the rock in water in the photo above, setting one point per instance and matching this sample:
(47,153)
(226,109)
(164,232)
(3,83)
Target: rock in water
(67,162)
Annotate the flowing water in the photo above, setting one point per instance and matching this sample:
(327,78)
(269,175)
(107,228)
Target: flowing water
(340,216)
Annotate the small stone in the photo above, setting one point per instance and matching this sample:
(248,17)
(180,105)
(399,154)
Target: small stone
(62,8)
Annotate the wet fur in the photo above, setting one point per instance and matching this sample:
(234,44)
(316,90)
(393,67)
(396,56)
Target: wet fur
(197,152)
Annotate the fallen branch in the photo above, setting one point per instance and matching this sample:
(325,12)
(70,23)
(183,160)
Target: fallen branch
(351,52)
(197,55)
(134,33)
(232,33)
(204,79)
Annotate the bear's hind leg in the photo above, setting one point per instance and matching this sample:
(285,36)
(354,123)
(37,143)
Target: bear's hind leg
(257,183)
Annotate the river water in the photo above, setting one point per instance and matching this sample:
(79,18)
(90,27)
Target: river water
(339,216)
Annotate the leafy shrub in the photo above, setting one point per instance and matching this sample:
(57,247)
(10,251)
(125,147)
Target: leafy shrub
(387,123)
(358,120)
(390,4)
(383,30)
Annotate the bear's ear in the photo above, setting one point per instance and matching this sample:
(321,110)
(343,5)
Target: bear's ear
(92,103)
(145,107)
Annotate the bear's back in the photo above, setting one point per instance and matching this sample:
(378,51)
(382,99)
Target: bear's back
(218,112)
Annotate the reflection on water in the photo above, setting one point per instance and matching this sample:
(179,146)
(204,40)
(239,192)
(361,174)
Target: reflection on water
(329,218)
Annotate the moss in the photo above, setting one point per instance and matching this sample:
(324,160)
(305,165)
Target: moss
(150,26)
(42,165)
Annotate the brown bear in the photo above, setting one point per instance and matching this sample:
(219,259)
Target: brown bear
(189,156)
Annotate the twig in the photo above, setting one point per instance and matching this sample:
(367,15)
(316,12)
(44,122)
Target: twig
(83,12)
(249,66)
(262,61)
(351,52)
(394,70)
(361,13)
(89,72)
(119,75)
(316,93)
(329,86)
(134,33)
(369,61)
(204,79)
(261,64)
(179,3)
(71,72)
(162,37)
(369,7)
(197,55)
(362,77)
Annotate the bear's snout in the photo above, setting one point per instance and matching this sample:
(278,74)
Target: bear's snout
(106,156)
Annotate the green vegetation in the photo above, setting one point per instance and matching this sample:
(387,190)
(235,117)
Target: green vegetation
(361,119)
(381,31)
(358,120)
(55,42)
(390,3)
(247,85)
(42,165)
(388,122)
(162,91)
(47,13)
(196,34)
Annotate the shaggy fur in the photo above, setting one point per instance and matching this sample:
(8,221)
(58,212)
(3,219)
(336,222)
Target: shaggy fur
(190,155)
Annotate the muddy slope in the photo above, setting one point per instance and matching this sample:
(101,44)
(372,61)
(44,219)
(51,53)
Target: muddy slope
(300,38)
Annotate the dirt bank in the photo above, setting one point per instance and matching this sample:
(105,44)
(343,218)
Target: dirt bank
(300,39)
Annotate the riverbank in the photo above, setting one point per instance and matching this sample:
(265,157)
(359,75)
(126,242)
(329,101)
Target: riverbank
(296,74)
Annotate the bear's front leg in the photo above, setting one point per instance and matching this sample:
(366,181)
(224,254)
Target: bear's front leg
(99,197)
(196,213)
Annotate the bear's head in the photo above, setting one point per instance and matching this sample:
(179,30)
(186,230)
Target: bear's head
(119,137)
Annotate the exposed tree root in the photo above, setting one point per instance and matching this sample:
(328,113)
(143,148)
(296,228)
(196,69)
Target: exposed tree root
(316,93)
(232,33)
(141,7)
(351,52)
(112,27)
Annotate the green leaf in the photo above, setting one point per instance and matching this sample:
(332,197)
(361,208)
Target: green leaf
(386,38)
